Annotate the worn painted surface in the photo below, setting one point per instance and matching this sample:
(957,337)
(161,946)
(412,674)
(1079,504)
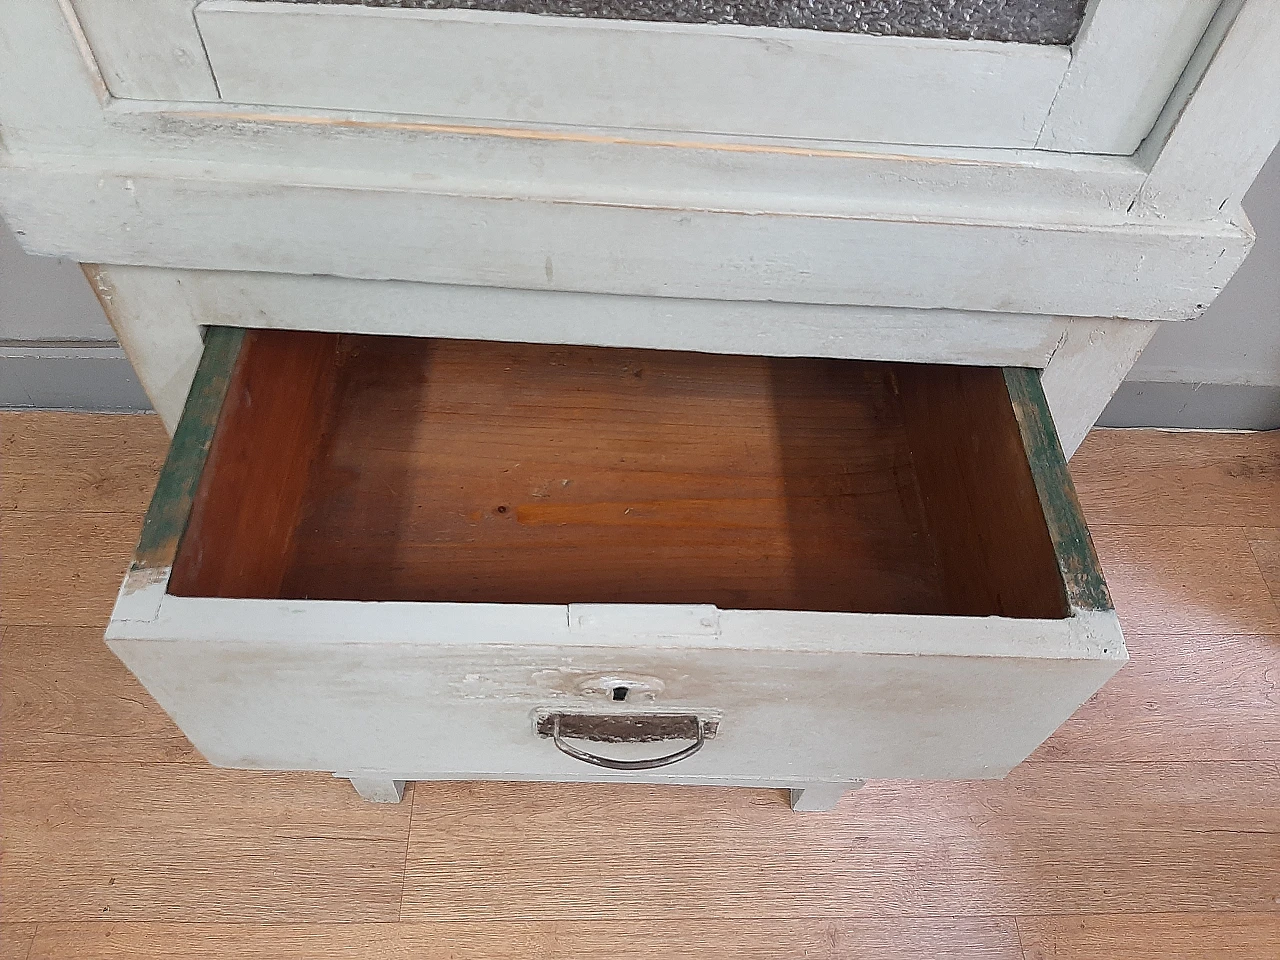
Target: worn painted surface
(1221,122)
(1124,65)
(1081,572)
(147,51)
(484,66)
(175,490)
(738,250)
(465,710)
(1008,21)
(162,340)
(1087,366)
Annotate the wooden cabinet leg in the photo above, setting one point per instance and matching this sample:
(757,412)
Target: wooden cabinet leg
(379,791)
(815,797)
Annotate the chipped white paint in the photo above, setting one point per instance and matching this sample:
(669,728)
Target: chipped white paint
(718,249)
(475,65)
(140,595)
(1086,370)
(1222,121)
(160,337)
(1084,635)
(451,688)
(855,224)
(147,49)
(1124,63)
(1100,96)
(675,621)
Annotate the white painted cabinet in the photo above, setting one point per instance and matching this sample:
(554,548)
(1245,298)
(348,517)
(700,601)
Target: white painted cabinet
(1098,93)
(814,283)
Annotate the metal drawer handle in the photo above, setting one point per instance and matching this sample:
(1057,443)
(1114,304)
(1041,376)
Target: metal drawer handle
(613,728)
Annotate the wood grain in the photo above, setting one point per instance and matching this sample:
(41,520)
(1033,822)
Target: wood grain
(1184,936)
(63,694)
(81,462)
(1077,560)
(1185,580)
(976,484)
(1265,544)
(885,938)
(63,568)
(1159,478)
(252,482)
(464,471)
(1052,838)
(178,841)
(1181,698)
(15,940)
(536,474)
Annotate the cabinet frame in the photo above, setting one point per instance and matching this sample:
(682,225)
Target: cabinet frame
(1151,236)
(906,245)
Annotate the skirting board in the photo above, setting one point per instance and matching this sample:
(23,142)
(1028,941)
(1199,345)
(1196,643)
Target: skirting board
(94,377)
(1204,406)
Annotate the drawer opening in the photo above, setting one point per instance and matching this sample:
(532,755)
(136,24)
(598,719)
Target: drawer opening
(356,467)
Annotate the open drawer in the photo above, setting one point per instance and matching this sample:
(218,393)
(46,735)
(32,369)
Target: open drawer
(435,559)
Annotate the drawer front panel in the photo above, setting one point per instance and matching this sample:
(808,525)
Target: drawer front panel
(463,713)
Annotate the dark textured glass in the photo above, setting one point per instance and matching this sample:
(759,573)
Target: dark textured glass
(1012,21)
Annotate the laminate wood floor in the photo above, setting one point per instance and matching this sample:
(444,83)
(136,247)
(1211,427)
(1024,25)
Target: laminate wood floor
(1148,827)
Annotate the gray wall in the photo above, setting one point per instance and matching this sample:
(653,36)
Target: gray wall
(56,349)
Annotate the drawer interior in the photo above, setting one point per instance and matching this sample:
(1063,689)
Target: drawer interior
(358,467)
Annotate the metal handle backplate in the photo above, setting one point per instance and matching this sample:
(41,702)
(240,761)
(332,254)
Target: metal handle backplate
(626,728)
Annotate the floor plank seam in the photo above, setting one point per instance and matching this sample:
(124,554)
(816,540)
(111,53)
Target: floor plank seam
(1067,761)
(1140,914)
(524,920)
(408,840)
(1257,562)
(1017,931)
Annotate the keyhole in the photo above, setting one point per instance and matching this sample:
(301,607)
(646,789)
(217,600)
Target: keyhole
(620,693)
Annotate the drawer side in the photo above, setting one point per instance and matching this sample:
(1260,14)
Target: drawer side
(169,512)
(1086,589)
